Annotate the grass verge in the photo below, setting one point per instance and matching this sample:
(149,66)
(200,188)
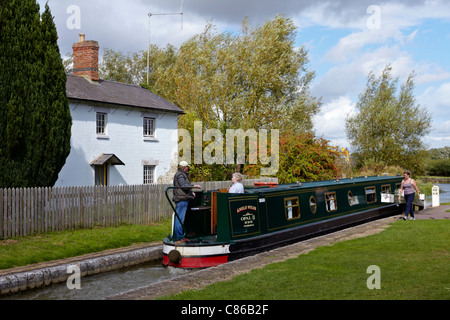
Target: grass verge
(59,245)
(413,257)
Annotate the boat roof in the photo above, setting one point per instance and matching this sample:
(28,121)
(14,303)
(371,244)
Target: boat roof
(323,183)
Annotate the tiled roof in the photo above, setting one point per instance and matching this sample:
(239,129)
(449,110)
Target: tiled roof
(106,158)
(116,93)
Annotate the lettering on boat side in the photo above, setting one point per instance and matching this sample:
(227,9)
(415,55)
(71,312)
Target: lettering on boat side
(244,217)
(248,219)
(245,208)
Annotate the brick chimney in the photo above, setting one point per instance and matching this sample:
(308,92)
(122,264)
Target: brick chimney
(85,58)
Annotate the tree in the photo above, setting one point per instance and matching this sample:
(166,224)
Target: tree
(35,119)
(132,67)
(254,80)
(303,157)
(439,153)
(257,79)
(389,125)
(438,163)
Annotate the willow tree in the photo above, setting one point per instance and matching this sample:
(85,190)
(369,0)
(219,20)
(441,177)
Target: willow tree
(389,126)
(255,79)
(35,121)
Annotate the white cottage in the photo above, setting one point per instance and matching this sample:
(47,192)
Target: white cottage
(121,134)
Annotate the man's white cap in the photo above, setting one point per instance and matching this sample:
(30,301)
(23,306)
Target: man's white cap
(184,164)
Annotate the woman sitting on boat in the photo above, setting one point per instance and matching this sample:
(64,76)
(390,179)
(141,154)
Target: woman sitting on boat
(237,186)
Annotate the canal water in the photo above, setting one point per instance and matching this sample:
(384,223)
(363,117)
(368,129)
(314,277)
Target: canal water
(107,284)
(103,285)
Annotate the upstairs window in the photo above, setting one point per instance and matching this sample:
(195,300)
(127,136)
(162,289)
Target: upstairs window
(149,127)
(101,123)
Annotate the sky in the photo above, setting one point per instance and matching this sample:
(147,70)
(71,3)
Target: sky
(345,39)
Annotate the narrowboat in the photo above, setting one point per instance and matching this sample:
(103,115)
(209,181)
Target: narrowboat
(221,226)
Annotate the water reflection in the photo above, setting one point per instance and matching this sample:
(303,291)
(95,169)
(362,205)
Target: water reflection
(103,285)
(445,192)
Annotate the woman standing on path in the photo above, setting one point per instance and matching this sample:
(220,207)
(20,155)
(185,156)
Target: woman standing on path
(408,185)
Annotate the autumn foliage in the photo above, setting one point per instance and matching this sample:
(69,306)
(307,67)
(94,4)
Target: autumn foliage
(303,157)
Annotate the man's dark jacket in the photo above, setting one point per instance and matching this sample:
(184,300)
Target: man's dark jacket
(181,179)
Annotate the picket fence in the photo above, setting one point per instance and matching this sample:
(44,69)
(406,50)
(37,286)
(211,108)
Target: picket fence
(28,211)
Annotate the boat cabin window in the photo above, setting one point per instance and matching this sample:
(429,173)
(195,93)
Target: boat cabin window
(386,189)
(313,204)
(371,195)
(292,208)
(330,199)
(350,198)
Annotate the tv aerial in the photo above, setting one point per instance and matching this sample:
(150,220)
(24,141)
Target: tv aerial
(160,14)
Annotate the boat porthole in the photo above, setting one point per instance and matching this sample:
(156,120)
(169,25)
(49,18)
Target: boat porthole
(174,256)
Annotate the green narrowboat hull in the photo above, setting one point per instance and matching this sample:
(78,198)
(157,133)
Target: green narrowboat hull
(263,218)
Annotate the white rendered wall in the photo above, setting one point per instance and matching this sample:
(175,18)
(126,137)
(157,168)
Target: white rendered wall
(124,138)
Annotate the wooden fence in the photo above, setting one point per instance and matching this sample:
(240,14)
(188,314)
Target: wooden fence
(27,211)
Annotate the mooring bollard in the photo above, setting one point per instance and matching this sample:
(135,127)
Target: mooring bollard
(435,196)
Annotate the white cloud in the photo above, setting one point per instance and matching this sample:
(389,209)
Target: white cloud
(330,122)
(437,100)
(430,72)
(439,136)
(351,45)
(350,78)
(123,25)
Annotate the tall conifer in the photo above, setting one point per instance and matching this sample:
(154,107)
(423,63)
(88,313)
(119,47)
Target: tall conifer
(35,119)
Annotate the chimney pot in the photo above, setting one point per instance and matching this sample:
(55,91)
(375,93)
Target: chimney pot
(85,58)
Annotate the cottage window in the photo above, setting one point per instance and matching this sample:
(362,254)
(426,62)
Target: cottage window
(292,208)
(371,195)
(330,201)
(149,174)
(149,127)
(101,123)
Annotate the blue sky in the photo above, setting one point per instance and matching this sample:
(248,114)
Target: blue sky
(345,39)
